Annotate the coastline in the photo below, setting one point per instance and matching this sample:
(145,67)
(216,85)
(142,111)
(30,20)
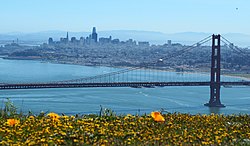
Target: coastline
(242,76)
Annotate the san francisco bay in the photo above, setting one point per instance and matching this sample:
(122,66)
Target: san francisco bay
(121,100)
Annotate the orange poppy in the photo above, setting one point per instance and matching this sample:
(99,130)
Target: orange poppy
(157,116)
(12,122)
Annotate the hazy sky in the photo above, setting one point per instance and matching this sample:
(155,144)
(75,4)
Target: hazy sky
(168,16)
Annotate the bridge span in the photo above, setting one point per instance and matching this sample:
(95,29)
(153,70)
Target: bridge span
(129,77)
(115,84)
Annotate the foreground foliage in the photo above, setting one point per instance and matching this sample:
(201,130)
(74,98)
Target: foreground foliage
(175,129)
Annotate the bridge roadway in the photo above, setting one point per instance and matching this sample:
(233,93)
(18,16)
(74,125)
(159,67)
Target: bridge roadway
(115,84)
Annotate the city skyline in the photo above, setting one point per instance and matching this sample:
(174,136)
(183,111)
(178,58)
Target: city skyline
(162,16)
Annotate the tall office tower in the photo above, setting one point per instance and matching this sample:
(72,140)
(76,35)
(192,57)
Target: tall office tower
(50,41)
(94,34)
(67,36)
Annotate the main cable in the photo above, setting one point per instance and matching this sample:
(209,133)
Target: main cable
(180,52)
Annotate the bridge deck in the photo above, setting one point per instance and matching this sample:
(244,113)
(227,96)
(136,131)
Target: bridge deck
(116,84)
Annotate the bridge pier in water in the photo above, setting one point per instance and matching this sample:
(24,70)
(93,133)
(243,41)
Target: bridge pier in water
(215,74)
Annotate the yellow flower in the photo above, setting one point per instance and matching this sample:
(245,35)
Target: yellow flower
(12,122)
(157,116)
(53,116)
(65,117)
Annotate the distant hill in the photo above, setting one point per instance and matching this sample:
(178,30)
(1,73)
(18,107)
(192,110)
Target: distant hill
(151,36)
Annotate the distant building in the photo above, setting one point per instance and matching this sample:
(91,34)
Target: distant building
(104,40)
(82,40)
(143,44)
(131,42)
(115,41)
(50,41)
(94,35)
(73,40)
(65,40)
(87,41)
(169,43)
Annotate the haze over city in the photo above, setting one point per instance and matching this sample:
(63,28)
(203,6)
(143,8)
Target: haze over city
(167,16)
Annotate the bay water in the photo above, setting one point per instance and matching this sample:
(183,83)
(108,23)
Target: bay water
(120,100)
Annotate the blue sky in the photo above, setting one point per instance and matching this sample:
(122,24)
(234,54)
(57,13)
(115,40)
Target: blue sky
(167,16)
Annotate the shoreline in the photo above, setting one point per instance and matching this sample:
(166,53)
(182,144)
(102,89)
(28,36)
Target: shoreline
(243,76)
(240,76)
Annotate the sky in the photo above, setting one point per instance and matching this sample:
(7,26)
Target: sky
(167,16)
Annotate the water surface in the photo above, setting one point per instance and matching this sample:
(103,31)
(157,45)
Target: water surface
(121,100)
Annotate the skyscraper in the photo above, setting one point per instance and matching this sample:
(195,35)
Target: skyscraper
(94,35)
(67,36)
(50,41)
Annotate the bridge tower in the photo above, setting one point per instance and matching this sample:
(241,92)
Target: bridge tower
(215,74)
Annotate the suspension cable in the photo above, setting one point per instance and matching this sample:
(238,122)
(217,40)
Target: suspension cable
(237,51)
(235,48)
(180,52)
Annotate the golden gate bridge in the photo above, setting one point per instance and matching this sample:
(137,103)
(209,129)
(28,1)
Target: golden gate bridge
(143,76)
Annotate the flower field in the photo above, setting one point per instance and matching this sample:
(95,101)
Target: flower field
(153,129)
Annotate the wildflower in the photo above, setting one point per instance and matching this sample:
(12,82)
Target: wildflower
(157,116)
(128,116)
(12,122)
(65,117)
(53,116)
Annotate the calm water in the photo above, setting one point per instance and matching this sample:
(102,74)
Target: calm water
(121,100)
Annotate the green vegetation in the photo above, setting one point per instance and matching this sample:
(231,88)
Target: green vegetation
(9,109)
(107,128)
